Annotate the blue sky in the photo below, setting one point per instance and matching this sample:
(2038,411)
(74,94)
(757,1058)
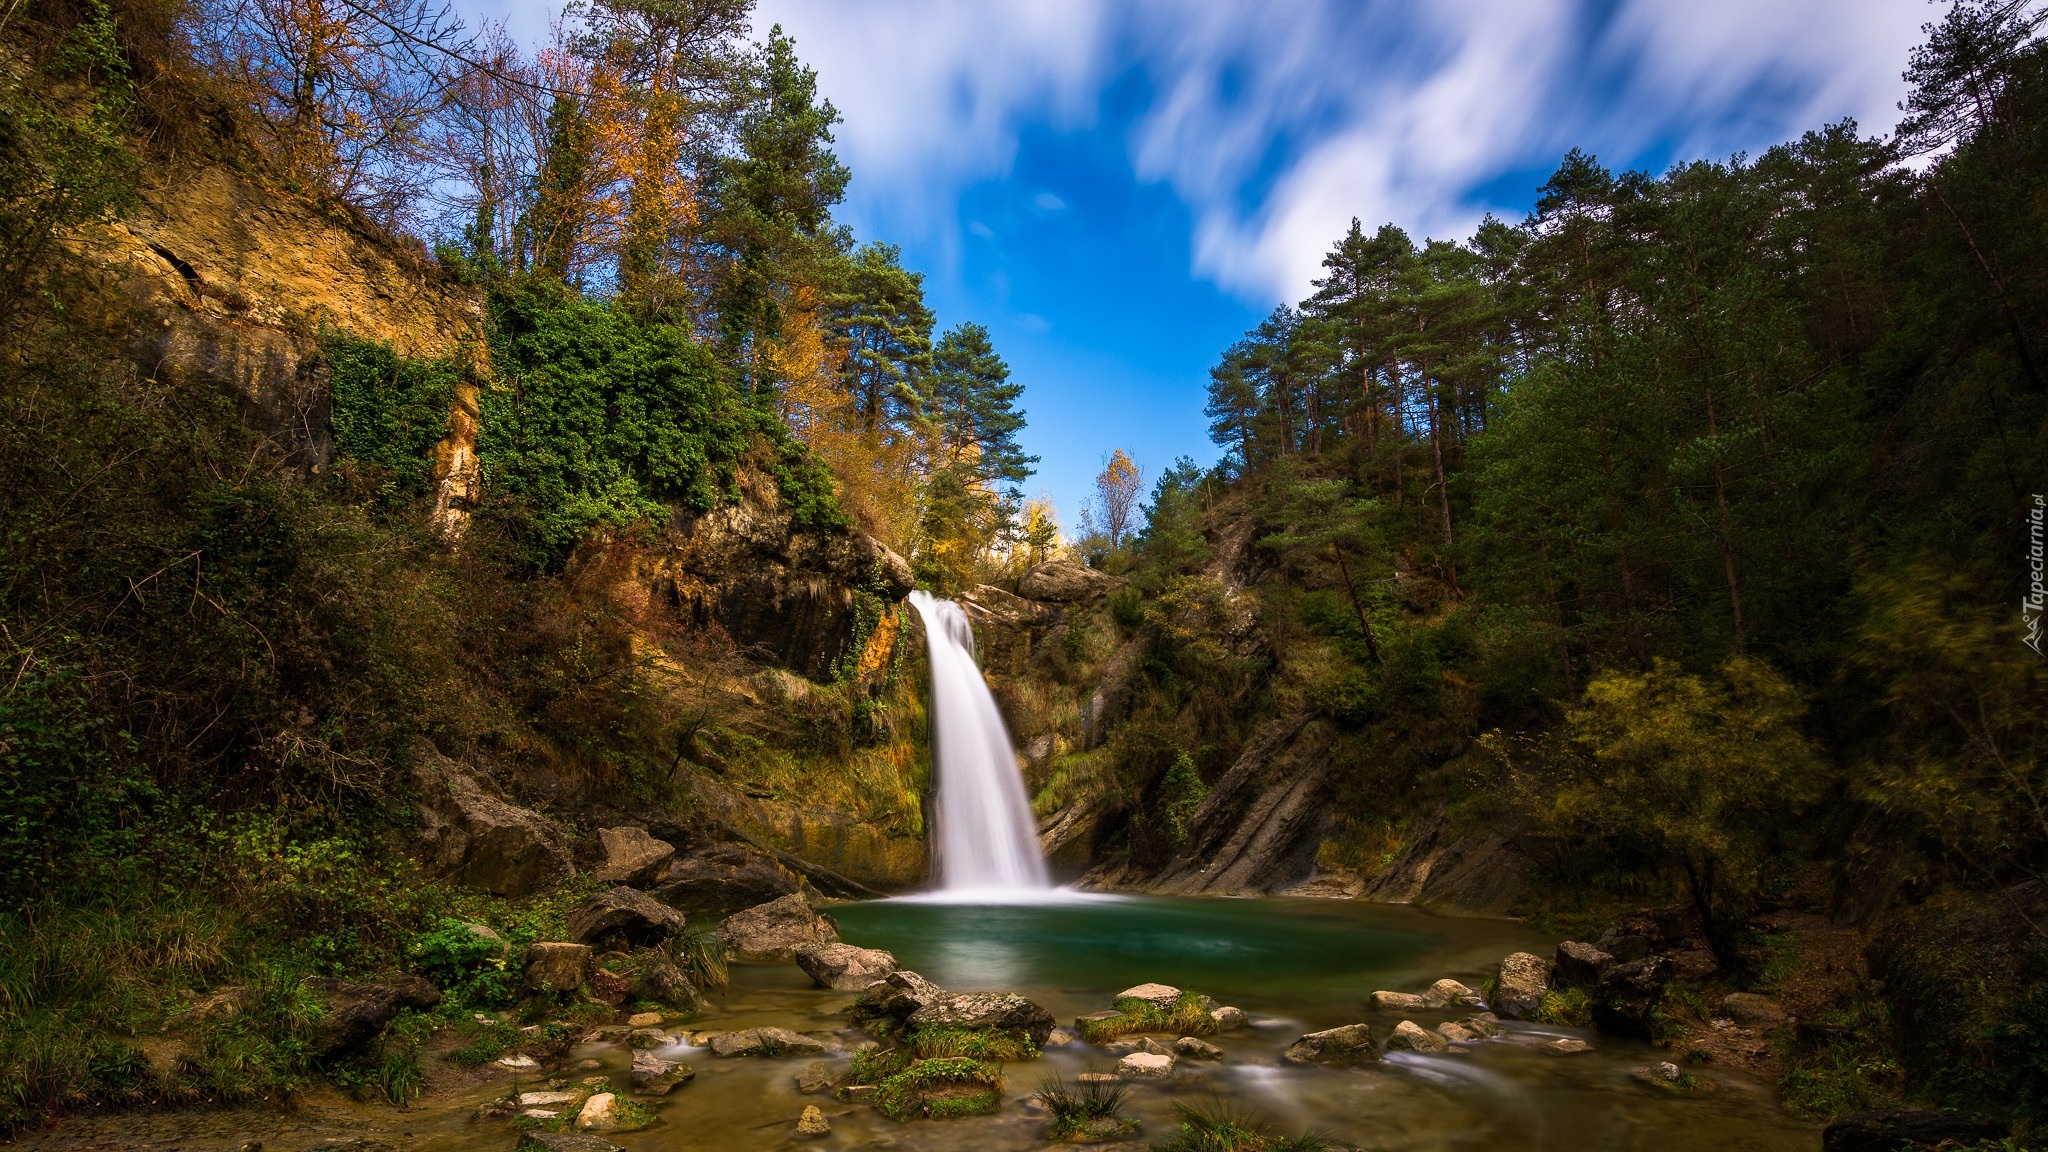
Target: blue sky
(1119,188)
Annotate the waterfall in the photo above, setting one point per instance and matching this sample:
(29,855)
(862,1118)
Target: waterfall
(985,839)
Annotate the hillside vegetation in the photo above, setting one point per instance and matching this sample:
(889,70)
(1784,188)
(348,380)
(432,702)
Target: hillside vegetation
(387,417)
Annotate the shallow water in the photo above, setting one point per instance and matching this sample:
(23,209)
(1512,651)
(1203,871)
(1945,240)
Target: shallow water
(1295,966)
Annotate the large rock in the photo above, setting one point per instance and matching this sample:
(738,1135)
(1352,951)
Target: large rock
(654,1076)
(600,1113)
(1447,992)
(1893,1129)
(718,881)
(624,913)
(1160,996)
(1064,582)
(843,966)
(1396,1003)
(1349,1044)
(357,1013)
(897,996)
(1519,989)
(1412,1037)
(471,837)
(1750,1010)
(986,1010)
(1625,1003)
(631,855)
(1578,965)
(1145,1066)
(662,981)
(775,930)
(764,1042)
(556,967)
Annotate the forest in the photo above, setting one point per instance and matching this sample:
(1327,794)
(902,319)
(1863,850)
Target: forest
(1687,533)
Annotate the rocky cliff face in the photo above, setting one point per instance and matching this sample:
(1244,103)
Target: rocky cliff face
(772,587)
(224,282)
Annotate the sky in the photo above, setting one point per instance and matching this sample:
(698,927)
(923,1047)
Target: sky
(1118,189)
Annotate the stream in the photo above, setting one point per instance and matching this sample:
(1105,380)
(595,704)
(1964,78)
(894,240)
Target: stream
(1294,965)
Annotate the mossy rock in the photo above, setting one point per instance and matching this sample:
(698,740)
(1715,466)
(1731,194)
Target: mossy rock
(941,1089)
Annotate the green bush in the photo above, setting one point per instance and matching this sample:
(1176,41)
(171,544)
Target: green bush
(388,412)
(469,969)
(600,419)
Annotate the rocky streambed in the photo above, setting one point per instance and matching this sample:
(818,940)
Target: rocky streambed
(917,1025)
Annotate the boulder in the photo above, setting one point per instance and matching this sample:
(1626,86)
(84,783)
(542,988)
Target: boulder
(624,912)
(1196,1048)
(1148,1044)
(1892,1129)
(1519,989)
(765,1042)
(1145,1066)
(1750,1010)
(643,1039)
(986,1010)
(1579,965)
(812,1123)
(1228,1018)
(565,1142)
(1625,946)
(357,1013)
(775,930)
(631,855)
(654,1076)
(471,837)
(1567,1046)
(1412,1037)
(1394,1003)
(1470,1030)
(1160,996)
(1064,582)
(1348,1044)
(717,881)
(814,1078)
(600,1113)
(661,981)
(896,996)
(1447,992)
(556,967)
(843,966)
(1627,997)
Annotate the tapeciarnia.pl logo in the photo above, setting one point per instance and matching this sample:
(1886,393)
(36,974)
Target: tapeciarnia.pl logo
(2031,604)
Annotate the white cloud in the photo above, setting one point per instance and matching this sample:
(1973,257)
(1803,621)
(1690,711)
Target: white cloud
(1276,124)
(933,92)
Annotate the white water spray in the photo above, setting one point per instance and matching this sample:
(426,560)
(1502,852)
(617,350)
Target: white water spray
(985,841)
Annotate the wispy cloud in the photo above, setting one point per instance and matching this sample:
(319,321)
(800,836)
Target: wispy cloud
(1275,124)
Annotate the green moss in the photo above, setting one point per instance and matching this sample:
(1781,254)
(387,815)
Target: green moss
(993,1044)
(1569,1007)
(940,1089)
(1187,1016)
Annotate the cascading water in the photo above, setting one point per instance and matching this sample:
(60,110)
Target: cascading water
(985,840)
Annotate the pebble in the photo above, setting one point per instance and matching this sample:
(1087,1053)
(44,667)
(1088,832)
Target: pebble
(1197,1048)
